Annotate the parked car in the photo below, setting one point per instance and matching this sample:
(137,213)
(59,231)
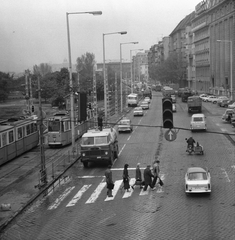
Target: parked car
(197,180)
(124,125)
(147,99)
(203,95)
(233,121)
(138,111)
(228,114)
(220,98)
(226,103)
(198,122)
(211,98)
(144,105)
(173,97)
(232,106)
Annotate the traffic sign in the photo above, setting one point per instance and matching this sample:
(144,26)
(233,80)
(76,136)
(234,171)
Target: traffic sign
(170,135)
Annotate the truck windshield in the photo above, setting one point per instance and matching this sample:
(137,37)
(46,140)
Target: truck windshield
(94,140)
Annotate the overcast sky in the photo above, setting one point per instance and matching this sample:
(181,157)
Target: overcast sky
(35,31)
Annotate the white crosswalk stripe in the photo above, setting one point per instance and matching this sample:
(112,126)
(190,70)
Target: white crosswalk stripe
(96,193)
(78,196)
(61,198)
(128,194)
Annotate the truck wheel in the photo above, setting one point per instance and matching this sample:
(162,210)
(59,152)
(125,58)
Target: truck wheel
(85,164)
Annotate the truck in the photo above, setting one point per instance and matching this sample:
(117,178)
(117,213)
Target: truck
(99,146)
(194,104)
(147,93)
(185,94)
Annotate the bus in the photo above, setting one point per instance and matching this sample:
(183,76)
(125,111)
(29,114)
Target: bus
(132,100)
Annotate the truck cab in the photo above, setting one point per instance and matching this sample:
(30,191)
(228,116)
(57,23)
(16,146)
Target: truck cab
(99,146)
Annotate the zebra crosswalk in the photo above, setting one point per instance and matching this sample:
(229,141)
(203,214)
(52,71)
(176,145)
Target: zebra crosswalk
(97,192)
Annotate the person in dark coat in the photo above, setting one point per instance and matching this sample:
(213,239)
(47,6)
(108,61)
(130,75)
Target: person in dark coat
(138,177)
(148,178)
(126,184)
(109,181)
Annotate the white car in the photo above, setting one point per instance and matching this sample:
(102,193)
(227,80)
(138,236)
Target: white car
(147,99)
(197,180)
(138,111)
(173,107)
(198,122)
(173,97)
(211,98)
(204,97)
(124,125)
(144,105)
(231,106)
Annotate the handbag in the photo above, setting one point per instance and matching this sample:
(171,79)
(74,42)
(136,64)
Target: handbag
(111,185)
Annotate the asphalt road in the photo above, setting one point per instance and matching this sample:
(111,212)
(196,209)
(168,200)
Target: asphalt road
(79,209)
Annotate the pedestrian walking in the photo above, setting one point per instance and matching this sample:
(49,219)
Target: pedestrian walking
(156,171)
(126,178)
(148,178)
(138,177)
(109,181)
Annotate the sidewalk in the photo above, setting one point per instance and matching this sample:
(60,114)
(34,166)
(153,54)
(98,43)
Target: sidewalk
(19,190)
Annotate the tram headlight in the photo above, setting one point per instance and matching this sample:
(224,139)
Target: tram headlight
(83,154)
(106,153)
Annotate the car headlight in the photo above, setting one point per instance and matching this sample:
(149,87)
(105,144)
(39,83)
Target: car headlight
(83,154)
(106,153)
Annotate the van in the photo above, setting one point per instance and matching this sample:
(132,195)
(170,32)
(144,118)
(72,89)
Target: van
(198,122)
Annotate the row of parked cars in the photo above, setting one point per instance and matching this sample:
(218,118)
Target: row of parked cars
(222,101)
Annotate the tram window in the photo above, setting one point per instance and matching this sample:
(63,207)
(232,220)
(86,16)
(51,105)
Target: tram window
(28,129)
(35,127)
(0,140)
(32,127)
(11,136)
(54,126)
(66,126)
(88,141)
(4,139)
(19,133)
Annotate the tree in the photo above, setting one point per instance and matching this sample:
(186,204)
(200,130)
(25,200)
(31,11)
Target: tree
(5,82)
(172,70)
(42,69)
(84,67)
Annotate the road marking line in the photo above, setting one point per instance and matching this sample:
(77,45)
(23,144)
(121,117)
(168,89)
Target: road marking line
(121,150)
(78,195)
(89,176)
(223,130)
(117,185)
(128,194)
(96,193)
(226,175)
(61,198)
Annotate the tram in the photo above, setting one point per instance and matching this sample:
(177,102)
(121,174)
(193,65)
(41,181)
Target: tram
(17,136)
(59,130)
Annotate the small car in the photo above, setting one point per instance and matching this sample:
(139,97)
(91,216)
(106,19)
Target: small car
(211,98)
(138,111)
(219,99)
(226,103)
(144,105)
(173,98)
(197,180)
(198,122)
(124,125)
(147,99)
(231,106)
(173,107)
(228,115)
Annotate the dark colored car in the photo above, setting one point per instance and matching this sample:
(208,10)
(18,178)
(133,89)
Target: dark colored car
(226,103)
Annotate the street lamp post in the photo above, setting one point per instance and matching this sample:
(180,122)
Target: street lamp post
(70,74)
(121,71)
(132,83)
(104,72)
(231,66)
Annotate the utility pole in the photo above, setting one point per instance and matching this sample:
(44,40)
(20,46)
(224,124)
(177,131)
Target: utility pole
(43,176)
